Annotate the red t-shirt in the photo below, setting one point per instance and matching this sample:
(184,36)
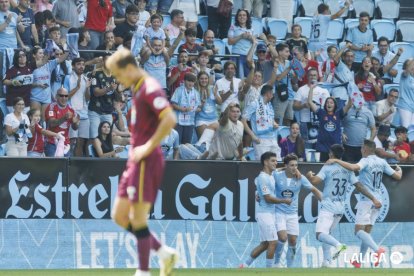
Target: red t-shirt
(401,148)
(18,91)
(97,16)
(148,104)
(311,64)
(54,111)
(37,143)
(367,90)
(180,79)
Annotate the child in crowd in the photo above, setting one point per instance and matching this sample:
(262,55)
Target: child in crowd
(155,30)
(36,144)
(328,68)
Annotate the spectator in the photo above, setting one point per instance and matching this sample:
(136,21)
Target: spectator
(387,60)
(307,64)
(108,44)
(155,31)
(241,37)
(18,81)
(386,109)
(218,23)
(208,44)
(190,46)
(170,145)
(186,102)
(59,118)
(43,5)
(58,75)
(330,126)
(328,68)
(383,143)
(84,44)
(17,130)
(406,101)
(227,141)
(293,143)
(55,35)
(29,36)
(98,20)
(201,65)
(36,144)
(297,40)
(79,94)
(343,74)
(356,124)
(265,67)
(129,26)
(191,9)
(102,144)
(284,107)
(309,120)
(368,83)
(174,27)
(262,119)
(119,10)
(254,7)
(66,15)
(226,90)
(401,147)
(144,16)
(177,73)
(362,40)
(9,23)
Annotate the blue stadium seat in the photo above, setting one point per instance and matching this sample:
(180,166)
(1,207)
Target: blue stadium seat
(407,53)
(336,29)
(277,27)
(399,69)
(306,24)
(364,5)
(384,27)
(166,20)
(220,45)
(390,9)
(203,21)
(229,47)
(257,26)
(311,6)
(406,27)
(334,7)
(283,131)
(351,22)
(410,135)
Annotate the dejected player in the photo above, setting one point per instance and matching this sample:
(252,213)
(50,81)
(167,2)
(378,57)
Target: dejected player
(152,119)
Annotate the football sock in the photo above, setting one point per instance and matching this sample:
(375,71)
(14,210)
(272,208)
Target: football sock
(269,262)
(328,239)
(326,249)
(367,239)
(279,249)
(290,256)
(363,251)
(249,261)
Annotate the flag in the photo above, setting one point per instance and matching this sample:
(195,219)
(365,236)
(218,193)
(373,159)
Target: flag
(72,42)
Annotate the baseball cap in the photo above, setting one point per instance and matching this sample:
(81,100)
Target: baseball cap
(384,130)
(261,47)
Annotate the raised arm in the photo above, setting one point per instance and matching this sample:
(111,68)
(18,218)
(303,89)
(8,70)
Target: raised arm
(341,11)
(346,165)
(348,105)
(338,56)
(311,104)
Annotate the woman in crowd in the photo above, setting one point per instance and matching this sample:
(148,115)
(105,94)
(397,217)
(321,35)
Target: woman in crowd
(18,80)
(406,101)
(293,143)
(60,72)
(207,117)
(330,126)
(368,83)
(17,129)
(102,145)
(241,37)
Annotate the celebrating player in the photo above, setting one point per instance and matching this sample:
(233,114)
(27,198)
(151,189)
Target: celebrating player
(265,210)
(336,180)
(142,177)
(371,168)
(288,185)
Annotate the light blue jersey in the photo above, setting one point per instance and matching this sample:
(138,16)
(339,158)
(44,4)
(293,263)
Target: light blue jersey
(359,39)
(336,181)
(289,188)
(261,116)
(370,175)
(209,109)
(186,98)
(319,32)
(242,46)
(406,95)
(265,185)
(169,144)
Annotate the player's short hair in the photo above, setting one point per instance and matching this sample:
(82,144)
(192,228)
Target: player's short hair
(122,58)
(370,145)
(266,156)
(322,8)
(266,88)
(290,157)
(190,77)
(363,14)
(337,151)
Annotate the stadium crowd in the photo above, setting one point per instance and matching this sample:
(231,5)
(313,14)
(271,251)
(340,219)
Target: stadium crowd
(238,91)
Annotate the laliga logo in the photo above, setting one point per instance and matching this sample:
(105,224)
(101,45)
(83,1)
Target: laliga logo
(384,197)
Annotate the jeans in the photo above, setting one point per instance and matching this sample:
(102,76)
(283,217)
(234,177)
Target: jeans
(185,133)
(190,152)
(50,150)
(94,120)
(96,39)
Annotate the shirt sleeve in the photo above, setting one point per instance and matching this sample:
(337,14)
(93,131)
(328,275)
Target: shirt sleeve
(263,185)
(371,119)
(176,143)
(305,183)
(176,96)
(349,35)
(362,163)
(387,169)
(230,34)
(66,83)
(157,101)
(322,173)
(352,178)
(8,120)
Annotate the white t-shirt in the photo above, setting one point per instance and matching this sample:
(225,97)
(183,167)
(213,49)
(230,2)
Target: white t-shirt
(224,85)
(319,97)
(13,121)
(383,107)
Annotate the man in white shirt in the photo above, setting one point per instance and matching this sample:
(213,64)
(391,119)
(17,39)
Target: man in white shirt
(385,109)
(387,59)
(226,90)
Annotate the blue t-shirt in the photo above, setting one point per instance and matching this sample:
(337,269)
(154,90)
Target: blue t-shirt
(342,75)
(406,100)
(287,79)
(319,32)
(356,124)
(261,117)
(289,188)
(27,21)
(186,98)
(242,46)
(359,39)
(371,170)
(265,185)
(336,181)
(209,110)
(330,131)
(157,68)
(42,75)
(8,35)
(169,144)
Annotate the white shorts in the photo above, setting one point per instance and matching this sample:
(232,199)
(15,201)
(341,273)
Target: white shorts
(207,123)
(288,223)
(82,131)
(266,145)
(267,226)
(327,221)
(366,213)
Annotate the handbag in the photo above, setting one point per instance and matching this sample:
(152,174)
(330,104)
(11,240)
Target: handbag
(224,8)
(282,90)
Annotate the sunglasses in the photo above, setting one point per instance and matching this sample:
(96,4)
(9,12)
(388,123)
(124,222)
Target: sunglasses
(63,96)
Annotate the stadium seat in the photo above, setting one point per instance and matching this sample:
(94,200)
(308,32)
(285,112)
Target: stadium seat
(228,46)
(334,7)
(220,45)
(236,5)
(364,5)
(306,24)
(410,135)
(311,7)
(203,21)
(390,9)
(283,131)
(277,27)
(90,151)
(399,69)
(383,27)
(406,27)
(166,20)
(335,29)
(257,26)
(407,53)
(351,22)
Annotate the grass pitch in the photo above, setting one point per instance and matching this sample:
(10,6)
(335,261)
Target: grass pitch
(216,272)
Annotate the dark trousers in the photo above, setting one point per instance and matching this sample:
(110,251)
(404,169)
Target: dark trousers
(185,133)
(352,154)
(220,25)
